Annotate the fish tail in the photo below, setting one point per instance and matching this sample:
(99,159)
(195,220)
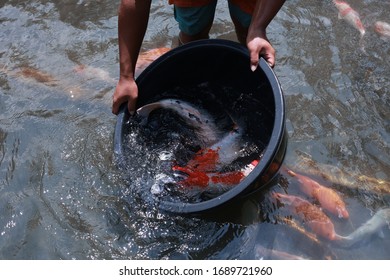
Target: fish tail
(362,44)
(343,241)
(291,173)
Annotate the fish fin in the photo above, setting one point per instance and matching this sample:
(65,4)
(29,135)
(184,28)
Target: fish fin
(381,234)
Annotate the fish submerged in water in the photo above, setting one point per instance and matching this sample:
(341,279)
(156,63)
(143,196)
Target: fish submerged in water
(222,153)
(91,72)
(200,120)
(30,73)
(214,180)
(382,28)
(321,225)
(351,181)
(311,215)
(37,75)
(350,15)
(373,226)
(205,169)
(329,199)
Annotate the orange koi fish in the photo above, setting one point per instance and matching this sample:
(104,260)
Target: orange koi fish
(204,167)
(328,198)
(194,177)
(350,15)
(382,28)
(312,216)
(147,57)
(220,154)
(37,75)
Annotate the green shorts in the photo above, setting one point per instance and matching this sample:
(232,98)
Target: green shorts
(194,19)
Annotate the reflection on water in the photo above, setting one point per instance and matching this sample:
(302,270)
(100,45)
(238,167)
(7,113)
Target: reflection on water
(60,193)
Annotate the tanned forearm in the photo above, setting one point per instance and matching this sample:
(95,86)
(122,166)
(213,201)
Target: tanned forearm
(133,18)
(264,12)
(256,40)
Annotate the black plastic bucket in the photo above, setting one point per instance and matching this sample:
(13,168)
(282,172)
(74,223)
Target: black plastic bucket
(227,64)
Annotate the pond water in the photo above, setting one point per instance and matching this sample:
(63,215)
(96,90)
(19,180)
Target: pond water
(61,193)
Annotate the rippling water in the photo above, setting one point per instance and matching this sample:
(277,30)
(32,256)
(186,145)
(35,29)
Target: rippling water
(60,192)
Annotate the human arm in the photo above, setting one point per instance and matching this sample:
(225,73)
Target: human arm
(257,41)
(133,17)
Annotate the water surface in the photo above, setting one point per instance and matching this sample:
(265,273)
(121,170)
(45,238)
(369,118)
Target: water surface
(61,193)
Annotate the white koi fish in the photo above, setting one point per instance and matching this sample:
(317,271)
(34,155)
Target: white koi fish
(373,226)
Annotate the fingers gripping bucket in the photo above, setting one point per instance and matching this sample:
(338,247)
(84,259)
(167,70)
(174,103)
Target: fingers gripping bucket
(227,64)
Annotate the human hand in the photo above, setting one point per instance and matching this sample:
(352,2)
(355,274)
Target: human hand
(126,91)
(259,46)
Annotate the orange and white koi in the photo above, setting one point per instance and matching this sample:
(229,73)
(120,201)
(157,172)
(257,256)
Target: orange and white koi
(205,169)
(351,16)
(382,28)
(311,215)
(328,198)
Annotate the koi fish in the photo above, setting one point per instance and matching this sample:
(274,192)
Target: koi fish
(350,15)
(372,226)
(205,169)
(147,57)
(352,181)
(329,199)
(298,228)
(382,28)
(213,180)
(90,72)
(222,153)
(312,216)
(37,75)
(200,121)
(200,170)
(29,73)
